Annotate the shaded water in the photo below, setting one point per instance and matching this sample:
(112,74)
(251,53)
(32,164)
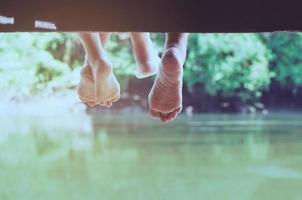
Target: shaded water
(133,157)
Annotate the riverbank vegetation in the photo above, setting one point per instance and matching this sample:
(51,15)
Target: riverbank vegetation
(223,72)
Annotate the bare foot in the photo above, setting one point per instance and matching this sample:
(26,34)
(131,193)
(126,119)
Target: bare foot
(98,85)
(165,98)
(148,68)
(107,88)
(86,88)
(145,54)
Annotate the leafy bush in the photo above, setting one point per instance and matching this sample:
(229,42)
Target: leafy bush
(26,61)
(228,64)
(286,59)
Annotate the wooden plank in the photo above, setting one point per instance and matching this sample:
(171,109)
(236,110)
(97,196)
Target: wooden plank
(153,15)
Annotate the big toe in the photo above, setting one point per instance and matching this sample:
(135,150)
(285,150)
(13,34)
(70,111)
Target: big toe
(168,117)
(171,116)
(154,113)
(115,99)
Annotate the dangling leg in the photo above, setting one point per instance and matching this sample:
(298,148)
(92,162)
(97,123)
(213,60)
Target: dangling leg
(105,36)
(145,55)
(165,98)
(106,87)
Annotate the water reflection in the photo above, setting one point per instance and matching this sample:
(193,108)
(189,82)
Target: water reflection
(133,157)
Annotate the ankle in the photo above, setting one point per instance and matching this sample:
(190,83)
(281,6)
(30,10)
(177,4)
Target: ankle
(102,64)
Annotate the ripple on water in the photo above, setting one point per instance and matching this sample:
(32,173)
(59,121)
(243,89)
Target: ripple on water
(276,172)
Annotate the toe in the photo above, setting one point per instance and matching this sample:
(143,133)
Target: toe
(91,104)
(171,116)
(115,99)
(102,103)
(154,113)
(163,117)
(109,104)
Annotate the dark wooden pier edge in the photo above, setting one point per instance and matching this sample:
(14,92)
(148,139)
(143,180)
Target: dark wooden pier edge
(150,15)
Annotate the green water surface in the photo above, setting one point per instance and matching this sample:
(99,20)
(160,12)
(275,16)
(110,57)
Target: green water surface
(133,157)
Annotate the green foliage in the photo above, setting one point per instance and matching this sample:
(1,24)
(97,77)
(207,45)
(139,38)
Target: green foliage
(228,64)
(286,60)
(26,61)
(119,49)
(30,62)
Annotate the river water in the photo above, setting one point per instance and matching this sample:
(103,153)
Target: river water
(130,156)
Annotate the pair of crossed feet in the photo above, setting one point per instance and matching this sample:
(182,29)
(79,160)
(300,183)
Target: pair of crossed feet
(99,86)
